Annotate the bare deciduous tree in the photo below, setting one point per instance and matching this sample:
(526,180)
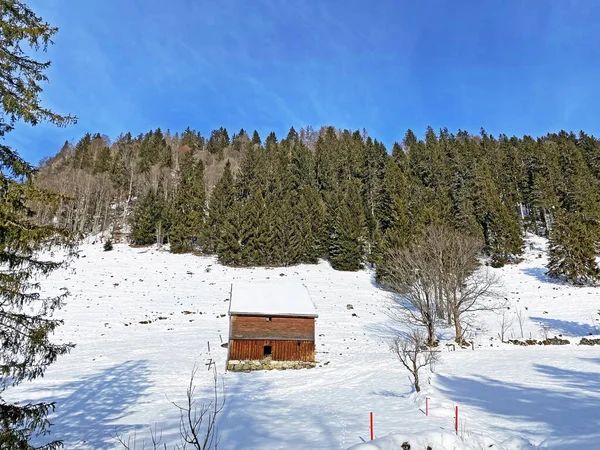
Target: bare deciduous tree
(476,292)
(439,276)
(521,321)
(414,354)
(505,324)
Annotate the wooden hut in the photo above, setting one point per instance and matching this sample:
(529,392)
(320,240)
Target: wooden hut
(271,326)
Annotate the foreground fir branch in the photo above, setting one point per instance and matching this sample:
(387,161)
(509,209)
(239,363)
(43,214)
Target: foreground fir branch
(26,322)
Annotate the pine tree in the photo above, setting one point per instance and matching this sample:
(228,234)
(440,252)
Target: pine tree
(375,158)
(146,218)
(285,249)
(256,232)
(221,202)
(310,231)
(192,139)
(230,239)
(82,158)
(103,161)
(218,141)
(240,141)
(571,250)
(188,211)
(346,249)
(26,349)
(256,138)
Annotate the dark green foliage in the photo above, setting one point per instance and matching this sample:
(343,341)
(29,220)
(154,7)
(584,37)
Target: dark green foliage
(108,246)
(256,138)
(571,250)
(147,224)
(82,157)
(310,232)
(103,161)
(220,206)
(290,198)
(218,141)
(230,240)
(188,215)
(154,151)
(240,140)
(346,248)
(192,139)
(26,324)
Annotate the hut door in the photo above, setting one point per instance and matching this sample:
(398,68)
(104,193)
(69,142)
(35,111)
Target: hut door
(268,352)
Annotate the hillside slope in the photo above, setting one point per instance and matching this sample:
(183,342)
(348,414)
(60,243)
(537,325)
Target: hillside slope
(124,373)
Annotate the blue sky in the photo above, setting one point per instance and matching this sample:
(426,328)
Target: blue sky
(514,67)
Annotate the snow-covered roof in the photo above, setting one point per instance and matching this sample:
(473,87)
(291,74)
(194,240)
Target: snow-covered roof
(271,298)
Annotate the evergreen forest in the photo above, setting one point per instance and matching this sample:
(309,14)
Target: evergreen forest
(333,194)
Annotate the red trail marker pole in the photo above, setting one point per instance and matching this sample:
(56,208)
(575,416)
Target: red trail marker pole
(456,421)
(426,406)
(371,425)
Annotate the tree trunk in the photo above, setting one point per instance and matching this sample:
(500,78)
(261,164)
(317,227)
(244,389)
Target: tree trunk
(126,207)
(458,327)
(416,377)
(430,333)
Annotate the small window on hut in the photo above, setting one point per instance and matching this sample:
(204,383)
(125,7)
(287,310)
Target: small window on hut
(268,351)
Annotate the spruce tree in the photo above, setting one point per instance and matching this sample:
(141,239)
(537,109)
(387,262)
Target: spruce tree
(256,138)
(310,231)
(82,158)
(346,248)
(26,323)
(256,231)
(218,141)
(188,209)
(285,248)
(146,218)
(192,139)
(221,202)
(571,249)
(395,215)
(230,238)
(103,161)
(375,158)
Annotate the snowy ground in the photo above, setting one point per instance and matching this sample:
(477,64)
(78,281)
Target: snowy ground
(123,374)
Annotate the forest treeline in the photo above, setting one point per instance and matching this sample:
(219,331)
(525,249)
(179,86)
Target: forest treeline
(333,194)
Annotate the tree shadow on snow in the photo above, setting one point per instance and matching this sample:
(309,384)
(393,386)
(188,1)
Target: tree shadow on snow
(253,419)
(571,418)
(539,273)
(566,326)
(86,414)
(387,393)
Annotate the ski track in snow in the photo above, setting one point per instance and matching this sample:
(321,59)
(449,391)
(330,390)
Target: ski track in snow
(123,375)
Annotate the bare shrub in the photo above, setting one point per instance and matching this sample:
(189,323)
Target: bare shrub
(505,324)
(521,321)
(414,354)
(197,423)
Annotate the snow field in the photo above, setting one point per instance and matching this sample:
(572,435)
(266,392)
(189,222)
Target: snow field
(123,374)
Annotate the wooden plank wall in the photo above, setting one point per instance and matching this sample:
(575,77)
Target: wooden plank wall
(281,350)
(285,328)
